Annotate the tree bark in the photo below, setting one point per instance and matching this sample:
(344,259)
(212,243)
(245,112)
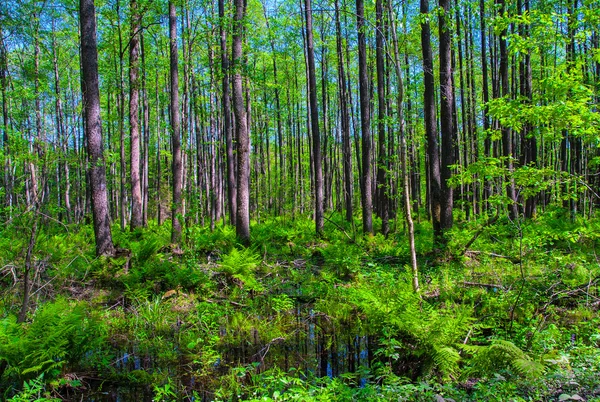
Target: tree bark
(382,164)
(134,126)
(365,119)
(241,128)
(446,115)
(177,165)
(403,155)
(507,146)
(345,119)
(314,121)
(93,129)
(226,102)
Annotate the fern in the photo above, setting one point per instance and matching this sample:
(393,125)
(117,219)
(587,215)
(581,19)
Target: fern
(500,355)
(60,334)
(242,266)
(427,333)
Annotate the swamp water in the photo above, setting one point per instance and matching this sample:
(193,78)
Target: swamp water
(313,347)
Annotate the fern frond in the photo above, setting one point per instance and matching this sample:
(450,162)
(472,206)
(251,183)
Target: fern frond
(446,359)
(528,368)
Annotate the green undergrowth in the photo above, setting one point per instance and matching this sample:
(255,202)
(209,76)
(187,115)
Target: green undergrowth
(299,317)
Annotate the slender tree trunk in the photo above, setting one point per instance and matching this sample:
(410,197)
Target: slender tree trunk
(226,101)
(177,165)
(365,124)
(38,146)
(241,127)
(121,108)
(314,121)
(507,145)
(146,137)
(403,154)
(61,132)
(93,129)
(382,165)
(5,125)
(134,126)
(446,115)
(345,118)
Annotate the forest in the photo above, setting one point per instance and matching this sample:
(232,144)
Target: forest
(321,200)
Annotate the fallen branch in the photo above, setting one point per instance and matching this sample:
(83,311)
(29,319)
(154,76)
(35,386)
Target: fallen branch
(484,285)
(340,228)
(514,260)
(490,222)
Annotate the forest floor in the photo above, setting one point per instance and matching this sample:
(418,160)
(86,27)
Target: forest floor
(296,317)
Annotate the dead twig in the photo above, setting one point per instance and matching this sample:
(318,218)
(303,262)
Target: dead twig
(490,222)
(484,285)
(341,229)
(472,253)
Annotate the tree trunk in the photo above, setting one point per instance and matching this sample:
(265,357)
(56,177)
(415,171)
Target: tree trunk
(382,165)
(507,146)
(5,139)
(93,129)
(134,126)
(344,117)
(146,137)
(446,115)
(403,155)
(365,117)
(241,128)
(177,165)
(314,121)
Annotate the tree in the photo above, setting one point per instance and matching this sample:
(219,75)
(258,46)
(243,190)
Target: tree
(345,118)
(430,119)
(93,128)
(134,126)
(226,103)
(177,165)
(365,120)
(403,155)
(382,188)
(507,146)
(242,225)
(447,107)
(314,120)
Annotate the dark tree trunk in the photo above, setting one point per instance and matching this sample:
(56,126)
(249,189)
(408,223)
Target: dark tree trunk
(226,101)
(430,117)
(93,129)
(446,115)
(345,118)
(528,140)
(382,165)
(365,118)
(486,97)
(507,145)
(121,112)
(314,121)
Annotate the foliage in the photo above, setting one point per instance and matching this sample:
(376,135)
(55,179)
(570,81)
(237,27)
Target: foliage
(61,335)
(233,317)
(241,265)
